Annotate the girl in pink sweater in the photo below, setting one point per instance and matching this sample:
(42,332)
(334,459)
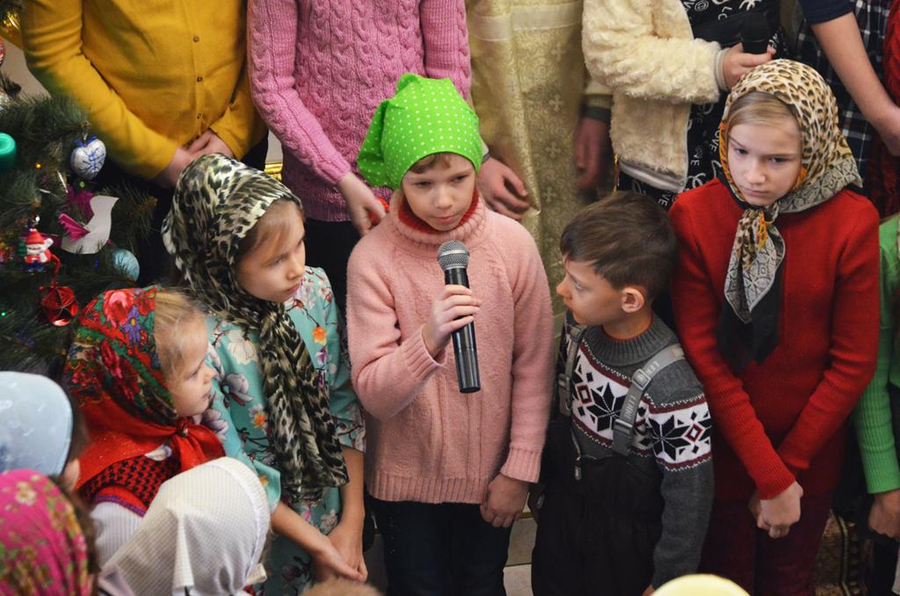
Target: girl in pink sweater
(449,472)
(317,72)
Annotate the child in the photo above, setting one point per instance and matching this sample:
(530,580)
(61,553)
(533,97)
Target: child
(776,300)
(45,544)
(626,513)
(449,472)
(317,71)
(282,399)
(40,429)
(136,368)
(876,419)
(205,533)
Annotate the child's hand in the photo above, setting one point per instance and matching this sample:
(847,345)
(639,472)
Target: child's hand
(737,63)
(504,501)
(208,143)
(328,562)
(364,209)
(502,190)
(347,539)
(884,517)
(453,309)
(779,513)
(169,176)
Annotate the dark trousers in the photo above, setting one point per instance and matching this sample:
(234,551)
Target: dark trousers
(152,255)
(735,548)
(443,549)
(328,245)
(597,535)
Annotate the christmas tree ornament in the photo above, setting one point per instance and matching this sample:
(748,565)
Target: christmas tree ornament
(88,158)
(7,253)
(37,252)
(7,152)
(126,263)
(89,238)
(58,303)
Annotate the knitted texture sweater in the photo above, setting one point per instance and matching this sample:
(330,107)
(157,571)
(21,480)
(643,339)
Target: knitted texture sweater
(784,419)
(427,442)
(672,426)
(318,71)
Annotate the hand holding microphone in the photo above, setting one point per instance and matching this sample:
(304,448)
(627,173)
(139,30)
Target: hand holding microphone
(753,50)
(452,315)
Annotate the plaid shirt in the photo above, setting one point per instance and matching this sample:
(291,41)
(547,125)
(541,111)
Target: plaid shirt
(872,16)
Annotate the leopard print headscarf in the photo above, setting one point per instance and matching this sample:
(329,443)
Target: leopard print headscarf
(827,166)
(217,201)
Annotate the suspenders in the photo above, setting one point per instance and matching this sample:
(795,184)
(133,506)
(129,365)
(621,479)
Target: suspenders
(623,427)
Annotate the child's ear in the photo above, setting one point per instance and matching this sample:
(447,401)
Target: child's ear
(632,299)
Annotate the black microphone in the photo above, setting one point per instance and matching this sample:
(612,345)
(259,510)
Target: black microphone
(453,257)
(755,33)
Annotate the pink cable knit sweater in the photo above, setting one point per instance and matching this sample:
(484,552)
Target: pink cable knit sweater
(319,68)
(426,441)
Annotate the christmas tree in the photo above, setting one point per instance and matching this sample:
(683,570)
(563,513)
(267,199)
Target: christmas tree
(62,241)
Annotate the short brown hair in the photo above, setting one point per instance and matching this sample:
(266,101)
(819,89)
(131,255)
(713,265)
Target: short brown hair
(430,161)
(627,238)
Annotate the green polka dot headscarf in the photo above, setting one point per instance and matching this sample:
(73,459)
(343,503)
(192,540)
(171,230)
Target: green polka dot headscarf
(426,116)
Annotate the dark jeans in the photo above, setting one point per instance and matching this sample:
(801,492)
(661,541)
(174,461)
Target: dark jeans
(443,549)
(328,245)
(735,548)
(152,256)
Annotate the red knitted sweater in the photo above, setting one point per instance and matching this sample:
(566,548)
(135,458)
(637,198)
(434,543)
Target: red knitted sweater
(783,419)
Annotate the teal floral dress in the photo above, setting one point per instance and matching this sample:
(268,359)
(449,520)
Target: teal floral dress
(239,415)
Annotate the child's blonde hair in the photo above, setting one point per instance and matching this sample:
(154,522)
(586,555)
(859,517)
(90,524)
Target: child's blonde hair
(173,312)
(761,108)
(275,223)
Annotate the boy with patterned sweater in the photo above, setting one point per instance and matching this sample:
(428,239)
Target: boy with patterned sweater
(627,464)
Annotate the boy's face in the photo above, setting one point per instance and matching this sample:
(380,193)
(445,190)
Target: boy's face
(592,299)
(442,194)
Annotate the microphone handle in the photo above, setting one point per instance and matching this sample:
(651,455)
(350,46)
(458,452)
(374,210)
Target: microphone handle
(755,46)
(464,349)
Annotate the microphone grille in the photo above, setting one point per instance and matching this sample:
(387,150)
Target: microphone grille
(453,254)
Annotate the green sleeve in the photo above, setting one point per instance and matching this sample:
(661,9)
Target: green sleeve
(872,416)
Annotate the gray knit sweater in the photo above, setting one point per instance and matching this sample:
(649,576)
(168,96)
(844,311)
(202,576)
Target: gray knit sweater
(672,426)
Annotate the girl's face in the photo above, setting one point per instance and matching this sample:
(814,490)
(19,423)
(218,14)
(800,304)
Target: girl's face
(192,382)
(764,160)
(441,195)
(273,271)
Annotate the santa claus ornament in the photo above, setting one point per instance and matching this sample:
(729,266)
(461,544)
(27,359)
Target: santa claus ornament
(37,252)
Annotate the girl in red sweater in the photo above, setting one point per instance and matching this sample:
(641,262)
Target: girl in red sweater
(776,301)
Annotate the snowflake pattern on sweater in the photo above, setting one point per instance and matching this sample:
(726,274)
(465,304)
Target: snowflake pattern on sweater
(676,434)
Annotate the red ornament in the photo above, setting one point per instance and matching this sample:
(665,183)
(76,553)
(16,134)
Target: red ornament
(59,304)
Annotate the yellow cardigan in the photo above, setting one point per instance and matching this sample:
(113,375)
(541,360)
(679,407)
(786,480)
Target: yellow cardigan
(151,75)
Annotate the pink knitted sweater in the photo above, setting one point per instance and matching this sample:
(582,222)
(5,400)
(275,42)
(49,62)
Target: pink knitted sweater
(426,441)
(319,68)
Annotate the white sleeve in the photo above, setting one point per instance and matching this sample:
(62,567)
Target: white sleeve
(114,525)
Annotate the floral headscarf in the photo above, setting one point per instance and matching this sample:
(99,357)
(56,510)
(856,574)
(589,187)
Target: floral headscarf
(43,549)
(748,329)
(217,202)
(114,372)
